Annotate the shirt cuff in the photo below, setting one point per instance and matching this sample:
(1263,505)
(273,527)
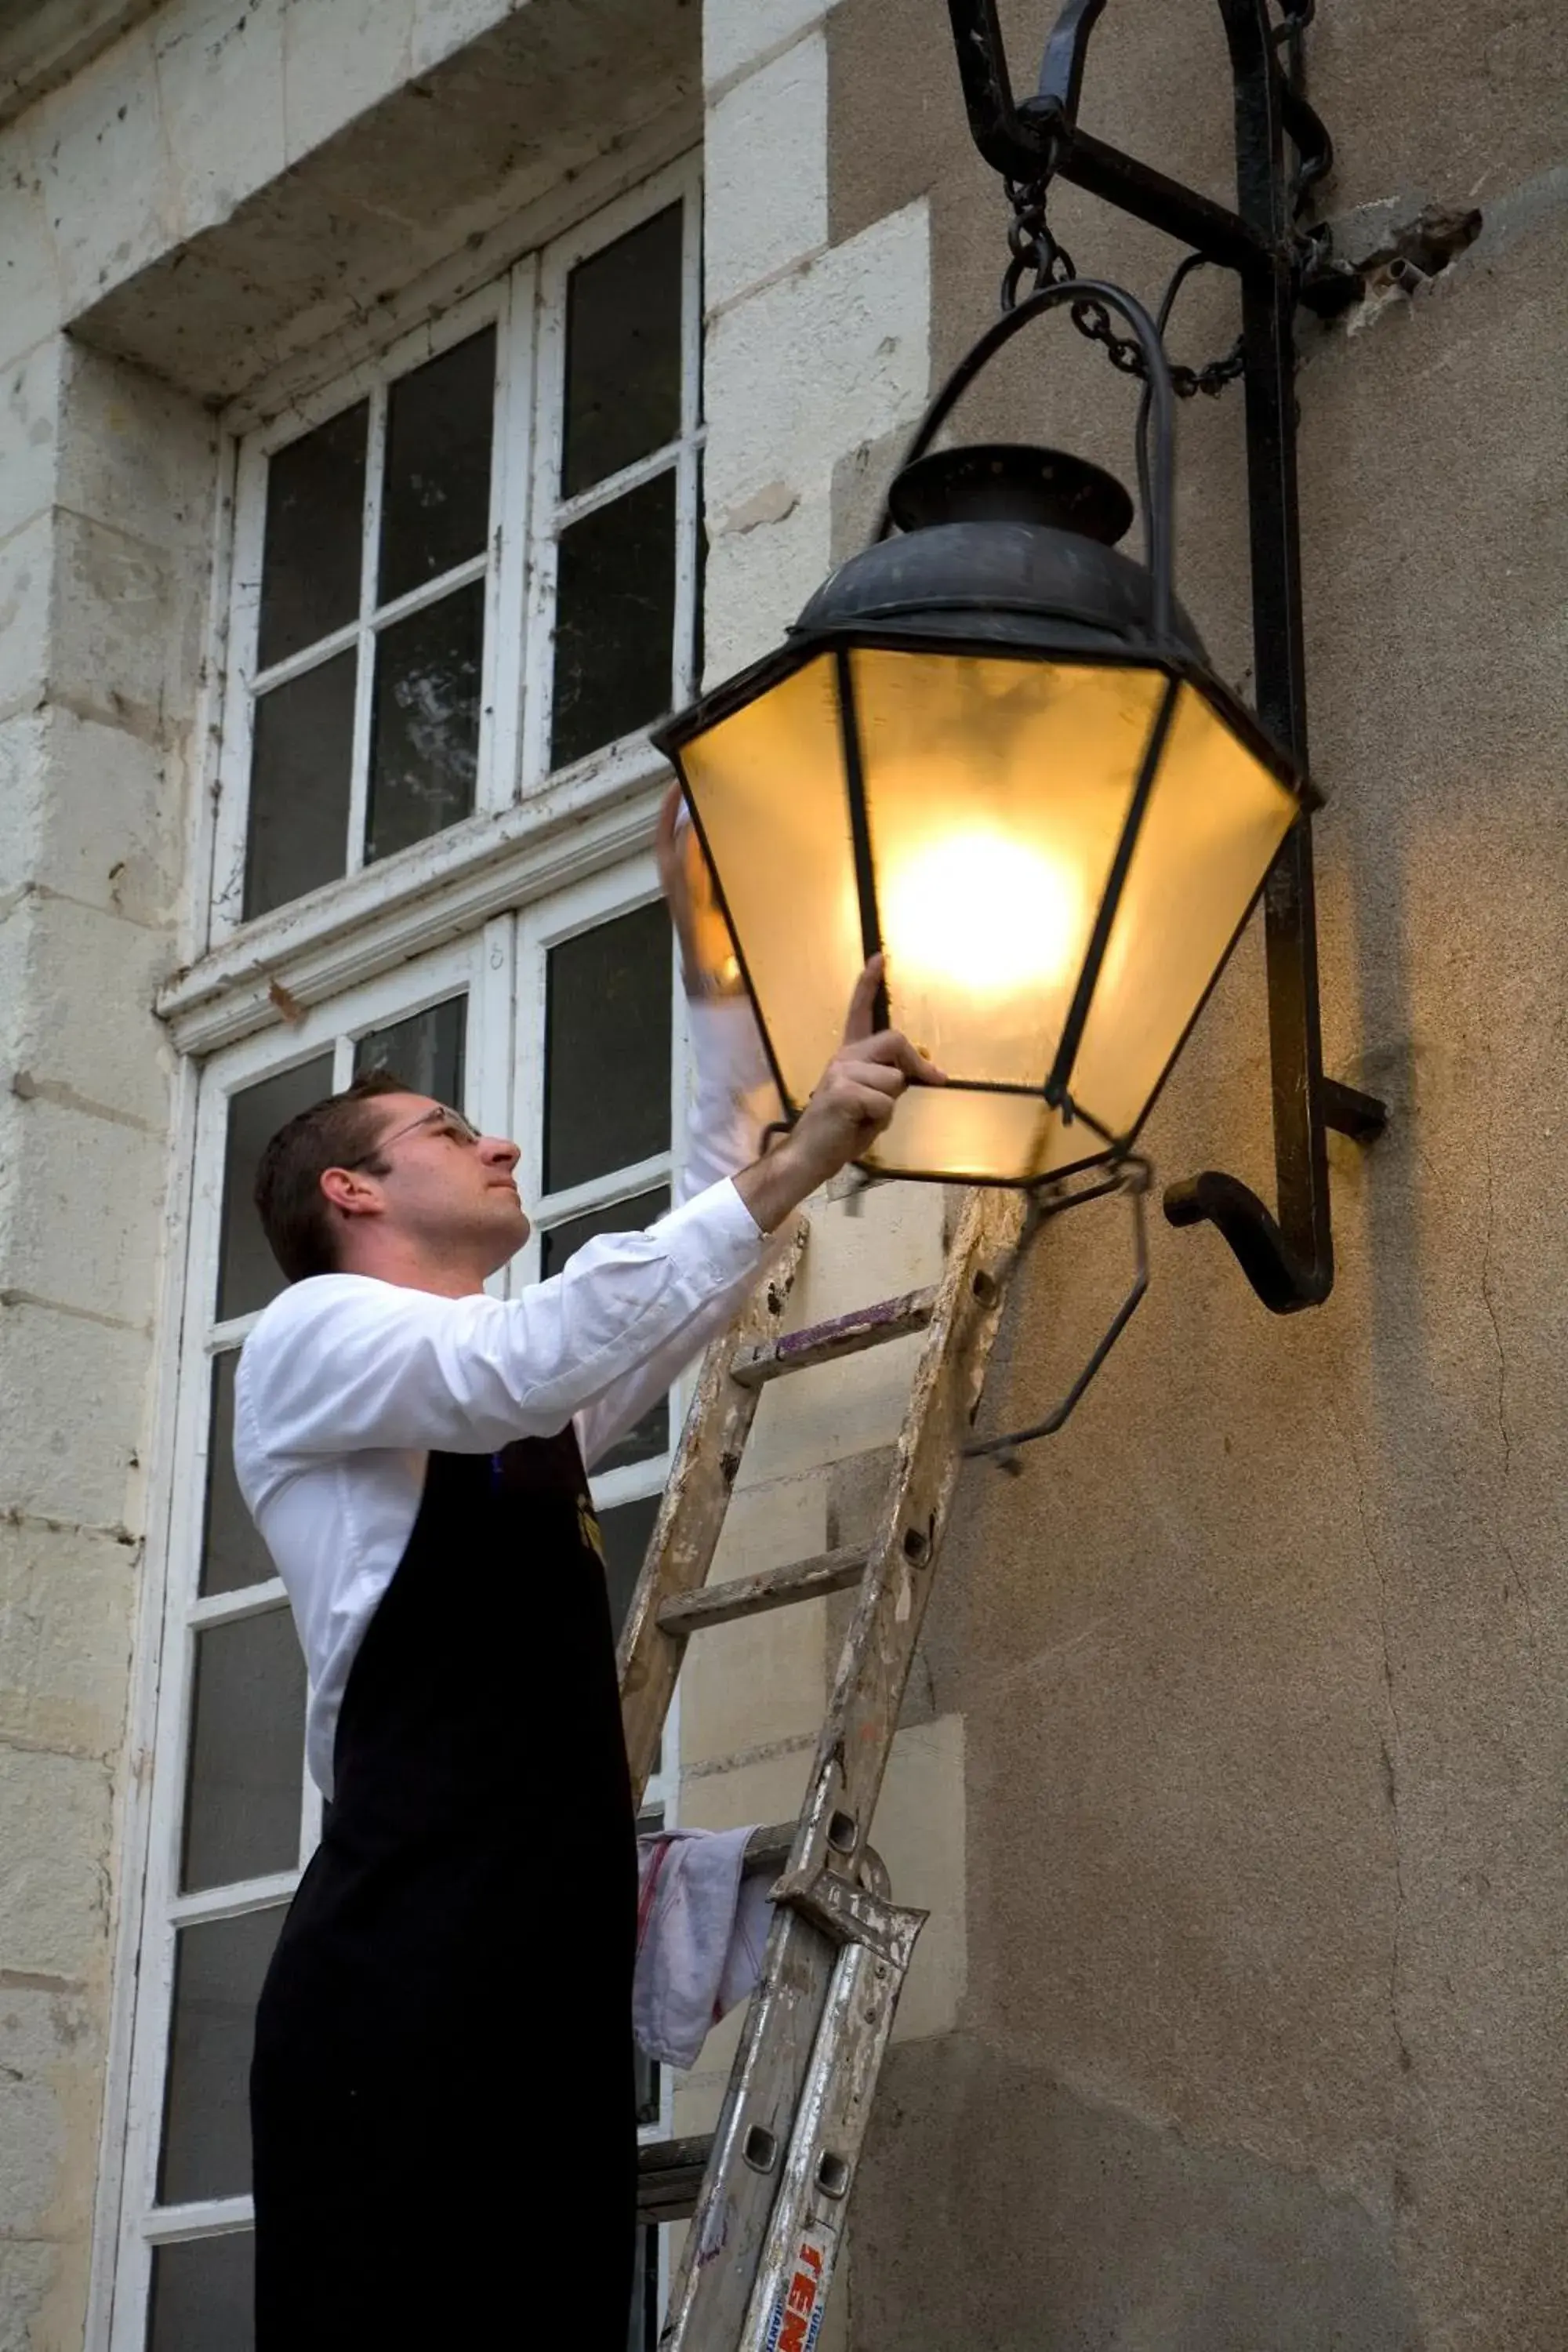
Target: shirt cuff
(716,1229)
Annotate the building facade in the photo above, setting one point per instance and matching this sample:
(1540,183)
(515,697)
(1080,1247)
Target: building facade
(403,404)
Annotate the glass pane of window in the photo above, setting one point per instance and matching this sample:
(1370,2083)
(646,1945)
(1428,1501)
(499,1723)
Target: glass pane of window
(302,760)
(249,1274)
(218,1967)
(426,1051)
(623,353)
(625,1530)
(563,1241)
(425,746)
(245,1774)
(233,1553)
(644,2333)
(646,2071)
(607,1046)
(436,501)
(311,552)
(203,2293)
(651,1434)
(615,621)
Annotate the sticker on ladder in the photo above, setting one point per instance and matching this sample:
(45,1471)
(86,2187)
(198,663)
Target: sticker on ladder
(796,2318)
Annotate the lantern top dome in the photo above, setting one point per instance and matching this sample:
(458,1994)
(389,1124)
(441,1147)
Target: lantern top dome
(1000,545)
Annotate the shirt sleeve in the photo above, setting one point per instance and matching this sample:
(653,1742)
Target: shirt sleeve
(345,1363)
(734,1096)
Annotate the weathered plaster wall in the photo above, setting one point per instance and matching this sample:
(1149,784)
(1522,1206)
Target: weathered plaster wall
(1261,1665)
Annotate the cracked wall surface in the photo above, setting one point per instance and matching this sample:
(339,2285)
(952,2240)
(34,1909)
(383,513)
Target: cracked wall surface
(1261,1663)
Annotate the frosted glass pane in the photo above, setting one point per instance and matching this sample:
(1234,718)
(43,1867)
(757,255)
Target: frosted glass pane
(1005,1138)
(1215,821)
(767,785)
(997,791)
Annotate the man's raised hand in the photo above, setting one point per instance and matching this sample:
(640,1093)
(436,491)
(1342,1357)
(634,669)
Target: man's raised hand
(850,1106)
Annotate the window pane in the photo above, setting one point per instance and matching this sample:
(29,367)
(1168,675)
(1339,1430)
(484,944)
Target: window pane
(646,2072)
(623,353)
(644,2334)
(651,1434)
(245,1775)
(625,1530)
(425,744)
(218,1967)
(249,1274)
(615,621)
(310,556)
(204,2294)
(302,762)
(607,1047)
(425,1051)
(233,1553)
(436,503)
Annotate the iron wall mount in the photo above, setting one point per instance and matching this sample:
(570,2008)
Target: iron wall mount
(1287,1256)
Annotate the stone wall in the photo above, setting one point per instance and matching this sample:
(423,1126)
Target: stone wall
(190,194)
(1260,1665)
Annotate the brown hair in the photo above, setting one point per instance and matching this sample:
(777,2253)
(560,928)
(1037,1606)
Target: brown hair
(337,1133)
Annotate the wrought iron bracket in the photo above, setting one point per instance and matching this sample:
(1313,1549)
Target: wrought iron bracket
(1130,1176)
(1286,1254)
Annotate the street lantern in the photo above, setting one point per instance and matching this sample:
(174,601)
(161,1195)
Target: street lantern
(993,748)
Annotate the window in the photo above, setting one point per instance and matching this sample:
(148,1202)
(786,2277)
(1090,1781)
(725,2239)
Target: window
(557,1025)
(474,567)
(464,581)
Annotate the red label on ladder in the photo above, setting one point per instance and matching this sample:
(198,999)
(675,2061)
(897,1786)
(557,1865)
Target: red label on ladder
(796,2320)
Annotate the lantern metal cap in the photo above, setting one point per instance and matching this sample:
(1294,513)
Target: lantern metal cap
(1003,545)
(1010,481)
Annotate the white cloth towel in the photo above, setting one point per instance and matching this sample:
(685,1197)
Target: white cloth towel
(701,1925)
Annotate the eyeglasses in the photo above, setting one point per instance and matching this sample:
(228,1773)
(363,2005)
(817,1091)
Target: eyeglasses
(440,1119)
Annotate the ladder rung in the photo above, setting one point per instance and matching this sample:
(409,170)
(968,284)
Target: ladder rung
(750,1596)
(823,1343)
(669,2174)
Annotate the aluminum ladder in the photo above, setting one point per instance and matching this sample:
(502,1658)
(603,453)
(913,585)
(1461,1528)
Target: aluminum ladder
(767,2193)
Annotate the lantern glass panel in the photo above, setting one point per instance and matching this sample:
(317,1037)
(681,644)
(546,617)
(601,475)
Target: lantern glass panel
(767,783)
(1213,823)
(983,1138)
(997,791)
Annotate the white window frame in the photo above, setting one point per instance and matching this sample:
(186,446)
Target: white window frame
(543,855)
(552,514)
(527,307)
(480,969)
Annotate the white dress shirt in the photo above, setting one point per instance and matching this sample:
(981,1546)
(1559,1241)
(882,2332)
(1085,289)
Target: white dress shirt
(347,1383)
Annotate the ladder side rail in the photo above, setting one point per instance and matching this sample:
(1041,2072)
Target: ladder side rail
(718,2270)
(691,1515)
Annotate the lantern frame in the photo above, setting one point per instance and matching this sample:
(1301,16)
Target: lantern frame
(837,621)
(1279,264)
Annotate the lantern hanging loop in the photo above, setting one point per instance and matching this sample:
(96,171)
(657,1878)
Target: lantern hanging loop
(1159,517)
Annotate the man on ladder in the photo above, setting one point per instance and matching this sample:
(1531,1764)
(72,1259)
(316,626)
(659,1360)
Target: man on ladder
(441,2094)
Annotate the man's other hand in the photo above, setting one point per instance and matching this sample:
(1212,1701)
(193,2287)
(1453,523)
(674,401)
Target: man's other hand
(707,962)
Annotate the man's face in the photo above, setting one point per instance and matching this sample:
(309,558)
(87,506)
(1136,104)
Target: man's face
(442,1184)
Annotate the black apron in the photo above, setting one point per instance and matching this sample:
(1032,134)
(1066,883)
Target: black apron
(442,2103)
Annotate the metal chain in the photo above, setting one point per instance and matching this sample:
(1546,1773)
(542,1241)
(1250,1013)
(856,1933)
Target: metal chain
(1035,249)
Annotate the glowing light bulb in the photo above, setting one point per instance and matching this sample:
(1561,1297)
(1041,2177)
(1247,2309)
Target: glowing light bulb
(982,913)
